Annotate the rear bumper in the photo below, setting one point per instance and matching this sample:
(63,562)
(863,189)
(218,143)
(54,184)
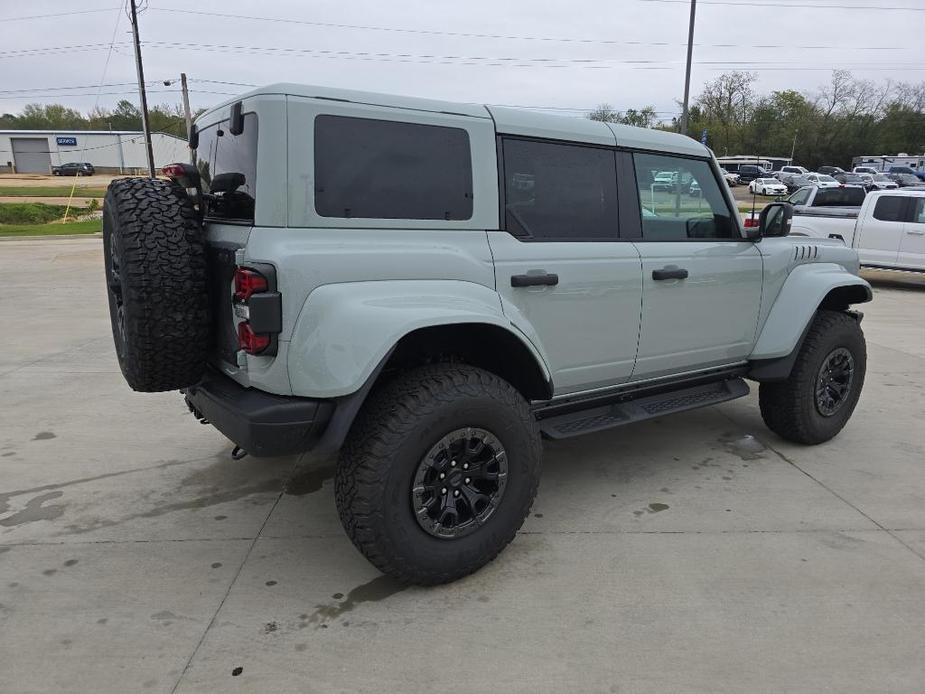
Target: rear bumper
(260,423)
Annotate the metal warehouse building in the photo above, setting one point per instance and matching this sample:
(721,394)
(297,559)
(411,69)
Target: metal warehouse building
(117,151)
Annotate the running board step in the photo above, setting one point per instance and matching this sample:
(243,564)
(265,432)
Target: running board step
(564,426)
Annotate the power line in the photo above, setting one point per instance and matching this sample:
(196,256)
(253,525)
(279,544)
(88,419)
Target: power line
(509,61)
(83,86)
(112,41)
(506,37)
(56,14)
(729,3)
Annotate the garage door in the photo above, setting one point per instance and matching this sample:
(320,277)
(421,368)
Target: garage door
(30,154)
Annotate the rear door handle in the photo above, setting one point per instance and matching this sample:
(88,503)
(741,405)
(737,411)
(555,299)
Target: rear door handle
(546,279)
(670,273)
(916,233)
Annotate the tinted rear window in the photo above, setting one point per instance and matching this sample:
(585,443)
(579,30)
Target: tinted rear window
(234,158)
(378,169)
(839,197)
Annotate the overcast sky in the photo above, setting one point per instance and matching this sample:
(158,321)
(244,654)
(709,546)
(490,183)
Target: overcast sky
(570,54)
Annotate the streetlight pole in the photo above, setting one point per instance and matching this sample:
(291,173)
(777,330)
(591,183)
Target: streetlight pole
(186,110)
(145,126)
(793,149)
(687,75)
(189,117)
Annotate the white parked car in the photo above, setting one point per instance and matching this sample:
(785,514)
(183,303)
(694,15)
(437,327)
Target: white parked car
(864,170)
(797,170)
(767,186)
(822,180)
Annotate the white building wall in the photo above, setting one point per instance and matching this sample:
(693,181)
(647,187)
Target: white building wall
(116,152)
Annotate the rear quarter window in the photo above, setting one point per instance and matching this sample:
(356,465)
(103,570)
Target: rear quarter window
(379,169)
(227,166)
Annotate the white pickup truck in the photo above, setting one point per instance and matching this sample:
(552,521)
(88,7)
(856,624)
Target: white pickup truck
(888,230)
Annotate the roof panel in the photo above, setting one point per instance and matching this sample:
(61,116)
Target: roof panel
(659,140)
(515,121)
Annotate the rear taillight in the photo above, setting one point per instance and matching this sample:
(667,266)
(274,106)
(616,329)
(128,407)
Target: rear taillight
(261,307)
(251,342)
(248,282)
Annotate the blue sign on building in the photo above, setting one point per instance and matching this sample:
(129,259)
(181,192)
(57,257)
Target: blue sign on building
(67,141)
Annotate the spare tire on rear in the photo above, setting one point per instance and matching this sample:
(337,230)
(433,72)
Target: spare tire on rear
(155,257)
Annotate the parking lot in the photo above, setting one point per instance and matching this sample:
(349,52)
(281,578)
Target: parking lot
(697,553)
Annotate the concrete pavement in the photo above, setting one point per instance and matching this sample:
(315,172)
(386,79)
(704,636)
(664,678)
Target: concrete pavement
(697,553)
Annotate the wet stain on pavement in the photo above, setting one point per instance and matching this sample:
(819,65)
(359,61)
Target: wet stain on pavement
(378,589)
(237,671)
(35,510)
(44,436)
(309,480)
(747,447)
(270,627)
(71,562)
(7,455)
(216,565)
(49,572)
(656,507)
(270,583)
(6,496)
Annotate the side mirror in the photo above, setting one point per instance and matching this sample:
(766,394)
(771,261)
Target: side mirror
(775,219)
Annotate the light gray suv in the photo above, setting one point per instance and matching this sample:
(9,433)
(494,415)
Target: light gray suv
(429,288)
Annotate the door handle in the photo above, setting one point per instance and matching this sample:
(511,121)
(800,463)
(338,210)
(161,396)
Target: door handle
(670,273)
(538,280)
(916,233)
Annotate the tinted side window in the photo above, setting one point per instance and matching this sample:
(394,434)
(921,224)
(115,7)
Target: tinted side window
(559,191)
(889,208)
(681,199)
(378,169)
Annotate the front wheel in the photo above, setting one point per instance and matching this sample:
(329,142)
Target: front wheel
(817,399)
(438,473)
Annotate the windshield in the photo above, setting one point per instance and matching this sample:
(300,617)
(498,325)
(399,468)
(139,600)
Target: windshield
(827,179)
(227,165)
(881,178)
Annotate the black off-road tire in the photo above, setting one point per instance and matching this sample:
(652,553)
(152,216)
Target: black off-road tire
(155,258)
(396,428)
(789,407)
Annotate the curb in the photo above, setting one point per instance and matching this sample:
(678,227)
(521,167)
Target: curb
(53,237)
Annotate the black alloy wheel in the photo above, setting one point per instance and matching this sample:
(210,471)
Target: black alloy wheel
(459,483)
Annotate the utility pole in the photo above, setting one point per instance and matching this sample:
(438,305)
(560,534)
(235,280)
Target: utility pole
(793,149)
(687,75)
(189,117)
(141,89)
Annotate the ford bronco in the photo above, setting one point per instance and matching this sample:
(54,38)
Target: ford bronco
(429,288)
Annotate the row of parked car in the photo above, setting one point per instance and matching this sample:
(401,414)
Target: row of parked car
(791,178)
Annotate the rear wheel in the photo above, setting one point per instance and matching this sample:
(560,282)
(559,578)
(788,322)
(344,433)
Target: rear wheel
(818,398)
(438,473)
